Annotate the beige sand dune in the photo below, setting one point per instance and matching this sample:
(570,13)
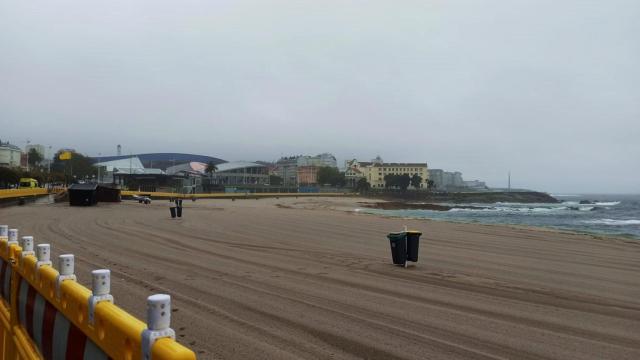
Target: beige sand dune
(299,278)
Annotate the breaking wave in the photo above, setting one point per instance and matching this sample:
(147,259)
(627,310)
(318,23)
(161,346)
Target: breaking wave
(597,203)
(536,209)
(613,222)
(610,203)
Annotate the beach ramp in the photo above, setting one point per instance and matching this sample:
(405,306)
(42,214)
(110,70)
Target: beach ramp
(46,314)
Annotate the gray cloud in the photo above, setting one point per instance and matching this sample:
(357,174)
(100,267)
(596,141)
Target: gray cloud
(548,89)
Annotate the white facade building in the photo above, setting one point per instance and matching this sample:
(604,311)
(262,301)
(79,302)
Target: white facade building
(107,169)
(9,155)
(321,160)
(287,167)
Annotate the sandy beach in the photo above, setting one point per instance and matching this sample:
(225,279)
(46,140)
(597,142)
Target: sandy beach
(312,279)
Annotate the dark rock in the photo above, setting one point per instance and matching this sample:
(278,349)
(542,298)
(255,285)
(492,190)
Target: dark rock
(466,197)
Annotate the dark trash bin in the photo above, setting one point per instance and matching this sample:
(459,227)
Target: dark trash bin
(179,211)
(173,212)
(413,245)
(398,242)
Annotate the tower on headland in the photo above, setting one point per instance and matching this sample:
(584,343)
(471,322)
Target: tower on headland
(119,150)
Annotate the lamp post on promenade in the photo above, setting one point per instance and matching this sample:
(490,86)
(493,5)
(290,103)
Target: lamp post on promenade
(26,149)
(50,160)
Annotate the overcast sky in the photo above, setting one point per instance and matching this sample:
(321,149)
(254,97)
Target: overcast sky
(547,89)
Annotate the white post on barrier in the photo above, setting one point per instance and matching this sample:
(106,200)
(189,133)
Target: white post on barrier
(13,236)
(158,322)
(100,287)
(43,253)
(66,270)
(27,246)
(4,230)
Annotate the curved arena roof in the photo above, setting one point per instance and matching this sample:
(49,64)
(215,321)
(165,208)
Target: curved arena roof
(177,157)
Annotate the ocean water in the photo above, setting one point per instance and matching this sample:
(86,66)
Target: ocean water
(617,215)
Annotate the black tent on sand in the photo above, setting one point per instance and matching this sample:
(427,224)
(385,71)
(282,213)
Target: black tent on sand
(108,193)
(83,194)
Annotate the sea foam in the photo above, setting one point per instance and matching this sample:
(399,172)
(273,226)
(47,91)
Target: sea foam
(609,203)
(613,222)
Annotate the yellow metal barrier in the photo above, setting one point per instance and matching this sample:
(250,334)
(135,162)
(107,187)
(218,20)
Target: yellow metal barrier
(15,193)
(5,309)
(46,314)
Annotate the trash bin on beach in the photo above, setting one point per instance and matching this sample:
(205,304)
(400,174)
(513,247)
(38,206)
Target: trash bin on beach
(404,246)
(173,212)
(179,211)
(413,245)
(398,242)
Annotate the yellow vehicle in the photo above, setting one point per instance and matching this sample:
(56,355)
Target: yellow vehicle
(28,183)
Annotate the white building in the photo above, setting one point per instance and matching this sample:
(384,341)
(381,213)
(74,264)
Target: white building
(453,179)
(240,173)
(9,155)
(320,160)
(107,169)
(476,185)
(437,175)
(287,167)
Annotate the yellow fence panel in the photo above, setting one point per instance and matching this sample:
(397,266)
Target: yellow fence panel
(46,314)
(16,193)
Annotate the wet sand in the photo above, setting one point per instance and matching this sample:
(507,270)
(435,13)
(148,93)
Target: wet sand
(304,278)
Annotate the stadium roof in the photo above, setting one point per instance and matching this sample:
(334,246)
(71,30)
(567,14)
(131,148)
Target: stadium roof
(178,157)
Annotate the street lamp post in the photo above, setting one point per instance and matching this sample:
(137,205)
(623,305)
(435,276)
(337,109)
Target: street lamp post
(26,149)
(99,178)
(50,160)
